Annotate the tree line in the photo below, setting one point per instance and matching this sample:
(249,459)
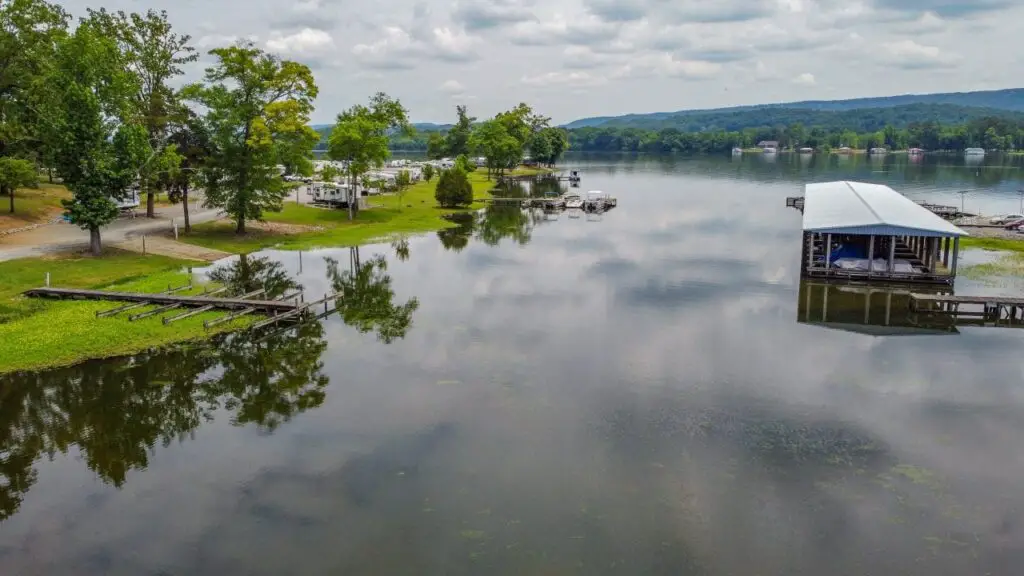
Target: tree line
(991,133)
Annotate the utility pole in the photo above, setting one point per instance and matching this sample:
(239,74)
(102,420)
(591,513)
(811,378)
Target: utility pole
(962,194)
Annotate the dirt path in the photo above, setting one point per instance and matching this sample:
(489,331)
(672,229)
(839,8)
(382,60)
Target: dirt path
(63,236)
(165,246)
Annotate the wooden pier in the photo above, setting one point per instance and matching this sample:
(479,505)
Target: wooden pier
(198,301)
(991,308)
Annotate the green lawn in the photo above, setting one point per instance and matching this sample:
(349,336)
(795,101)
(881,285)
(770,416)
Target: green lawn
(412,212)
(32,205)
(41,333)
(1001,244)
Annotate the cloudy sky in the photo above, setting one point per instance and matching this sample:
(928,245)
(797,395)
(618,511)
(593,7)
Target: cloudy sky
(578,58)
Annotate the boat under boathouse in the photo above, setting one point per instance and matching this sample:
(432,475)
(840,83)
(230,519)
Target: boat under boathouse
(869,232)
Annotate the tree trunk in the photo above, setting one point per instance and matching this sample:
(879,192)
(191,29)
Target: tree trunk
(351,193)
(184,205)
(49,174)
(3,190)
(150,205)
(94,241)
(240,228)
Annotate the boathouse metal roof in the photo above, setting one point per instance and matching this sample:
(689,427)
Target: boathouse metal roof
(860,208)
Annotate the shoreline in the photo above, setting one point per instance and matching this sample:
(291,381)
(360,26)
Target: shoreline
(27,325)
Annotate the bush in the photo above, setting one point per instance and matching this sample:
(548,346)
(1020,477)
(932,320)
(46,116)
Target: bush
(453,189)
(428,172)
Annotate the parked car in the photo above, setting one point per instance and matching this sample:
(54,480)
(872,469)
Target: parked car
(1006,219)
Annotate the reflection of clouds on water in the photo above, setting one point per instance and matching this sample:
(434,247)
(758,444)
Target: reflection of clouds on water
(635,395)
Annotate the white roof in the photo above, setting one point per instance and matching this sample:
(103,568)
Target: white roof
(860,208)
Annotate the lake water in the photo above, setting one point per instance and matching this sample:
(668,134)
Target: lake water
(651,391)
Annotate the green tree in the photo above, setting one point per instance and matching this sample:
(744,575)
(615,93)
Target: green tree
(402,181)
(453,189)
(463,163)
(255,101)
(500,149)
(154,54)
(16,173)
(436,146)
(30,33)
(360,137)
(329,173)
(98,151)
(428,172)
(191,141)
(456,141)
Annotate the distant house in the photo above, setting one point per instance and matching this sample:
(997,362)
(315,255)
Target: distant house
(768,144)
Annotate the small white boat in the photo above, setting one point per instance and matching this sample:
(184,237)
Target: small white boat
(974,152)
(573,201)
(737,151)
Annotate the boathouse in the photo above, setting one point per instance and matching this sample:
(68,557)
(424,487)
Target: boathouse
(870,232)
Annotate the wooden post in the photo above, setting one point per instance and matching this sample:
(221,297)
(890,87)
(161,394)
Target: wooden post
(945,251)
(871,254)
(828,252)
(956,253)
(810,251)
(47,279)
(143,243)
(888,306)
(892,254)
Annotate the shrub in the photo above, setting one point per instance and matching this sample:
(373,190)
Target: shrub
(453,189)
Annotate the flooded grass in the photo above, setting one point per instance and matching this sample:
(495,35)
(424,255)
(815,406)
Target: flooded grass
(44,333)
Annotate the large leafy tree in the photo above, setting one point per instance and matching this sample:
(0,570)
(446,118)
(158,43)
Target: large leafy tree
(501,149)
(257,104)
(98,150)
(30,31)
(548,144)
(457,138)
(191,141)
(154,54)
(360,137)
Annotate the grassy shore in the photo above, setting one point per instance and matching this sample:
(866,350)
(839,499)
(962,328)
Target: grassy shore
(39,334)
(984,243)
(32,205)
(413,211)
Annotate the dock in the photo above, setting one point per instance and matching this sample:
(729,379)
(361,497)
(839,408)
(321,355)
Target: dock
(991,308)
(198,301)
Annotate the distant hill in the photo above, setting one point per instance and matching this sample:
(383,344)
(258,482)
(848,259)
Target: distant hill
(994,102)
(859,119)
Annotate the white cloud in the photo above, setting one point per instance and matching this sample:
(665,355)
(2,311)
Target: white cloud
(486,14)
(568,79)
(805,79)
(210,41)
(559,30)
(306,42)
(398,49)
(666,65)
(452,87)
(913,56)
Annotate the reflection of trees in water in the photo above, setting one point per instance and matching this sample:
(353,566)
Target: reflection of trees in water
(251,273)
(457,237)
(366,299)
(500,221)
(116,411)
(401,247)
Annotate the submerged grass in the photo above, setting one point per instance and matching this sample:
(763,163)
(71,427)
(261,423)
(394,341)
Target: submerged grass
(39,334)
(412,212)
(1000,244)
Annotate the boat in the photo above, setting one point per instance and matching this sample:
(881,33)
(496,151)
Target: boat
(769,150)
(878,152)
(974,152)
(573,201)
(598,201)
(574,176)
(806,150)
(737,151)
(915,152)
